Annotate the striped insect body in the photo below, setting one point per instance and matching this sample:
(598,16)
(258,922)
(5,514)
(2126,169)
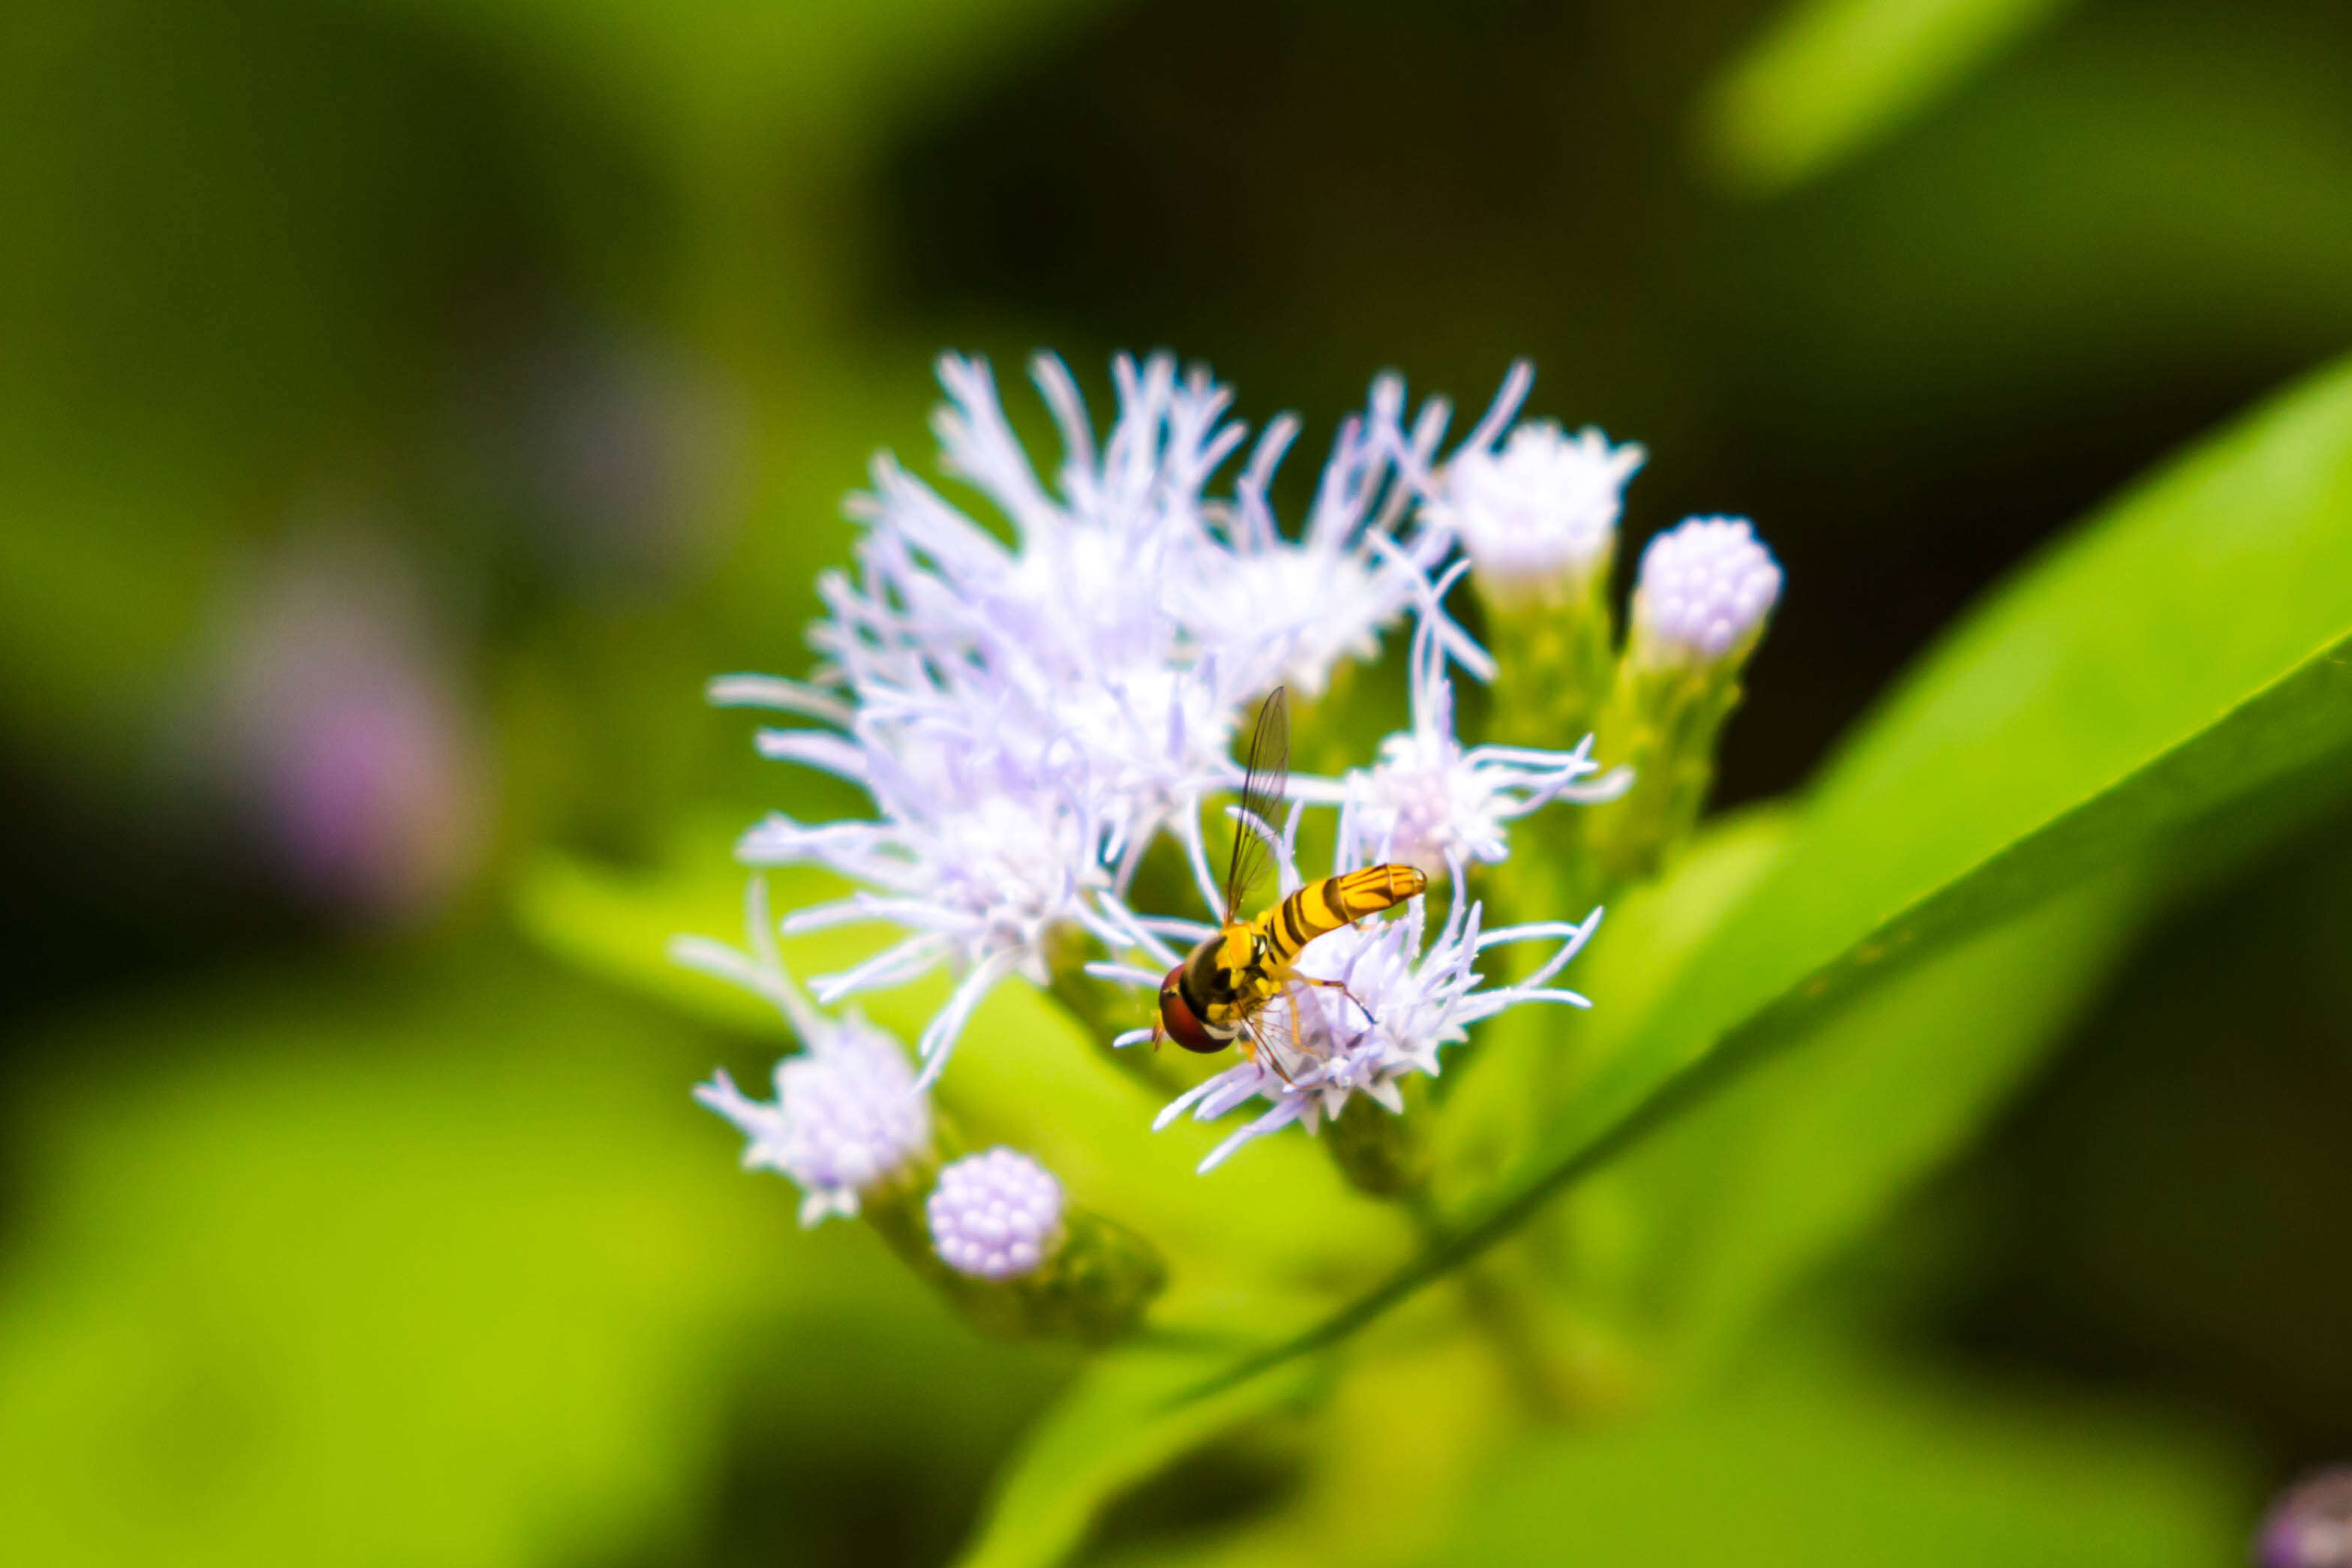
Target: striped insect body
(1240,987)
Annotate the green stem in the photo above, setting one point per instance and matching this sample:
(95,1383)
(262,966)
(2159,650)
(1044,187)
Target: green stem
(1497,1306)
(1557,657)
(1664,722)
(1380,1153)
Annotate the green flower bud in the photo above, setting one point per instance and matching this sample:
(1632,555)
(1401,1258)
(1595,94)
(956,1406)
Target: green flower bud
(1705,590)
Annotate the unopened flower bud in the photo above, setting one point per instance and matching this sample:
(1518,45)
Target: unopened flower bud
(995,1216)
(1704,589)
(1700,603)
(998,1239)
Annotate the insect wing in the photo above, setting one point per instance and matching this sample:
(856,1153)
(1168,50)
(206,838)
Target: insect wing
(1275,1029)
(1264,781)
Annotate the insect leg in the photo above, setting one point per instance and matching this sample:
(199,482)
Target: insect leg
(1341,987)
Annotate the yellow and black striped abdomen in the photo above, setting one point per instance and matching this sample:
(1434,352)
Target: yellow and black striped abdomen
(1336,900)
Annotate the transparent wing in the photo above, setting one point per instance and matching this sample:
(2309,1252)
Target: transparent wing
(1262,781)
(1275,1034)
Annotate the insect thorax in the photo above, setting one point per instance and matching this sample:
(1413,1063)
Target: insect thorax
(1224,971)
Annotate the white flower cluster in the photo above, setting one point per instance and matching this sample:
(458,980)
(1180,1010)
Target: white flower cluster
(1027,715)
(1030,703)
(1543,506)
(848,1117)
(845,1115)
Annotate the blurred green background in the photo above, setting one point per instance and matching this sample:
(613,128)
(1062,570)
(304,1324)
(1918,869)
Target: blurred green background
(404,405)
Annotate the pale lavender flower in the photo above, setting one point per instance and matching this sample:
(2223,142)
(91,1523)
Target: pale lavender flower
(1435,803)
(995,1216)
(1069,641)
(846,1115)
(1028,716)
(975,867)
(1542,509)
(2311,1526)
(1354,569)
(1412,994)
(1705,589)
(332,714)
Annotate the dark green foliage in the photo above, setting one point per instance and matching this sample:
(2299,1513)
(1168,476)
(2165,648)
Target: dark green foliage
(1952,1169)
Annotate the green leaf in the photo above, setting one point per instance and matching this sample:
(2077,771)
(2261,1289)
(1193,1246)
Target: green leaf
(2178,195)
(1709,1223)
(1640,952)
(1830,1465)
(2175,666)
(1768,1177)
(436,1265)
(619,927)
(1124,1421)
(1367,1468)
(1831,77)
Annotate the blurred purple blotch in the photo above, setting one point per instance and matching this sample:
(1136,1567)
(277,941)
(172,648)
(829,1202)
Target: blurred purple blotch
(336,728)
(2311,1525)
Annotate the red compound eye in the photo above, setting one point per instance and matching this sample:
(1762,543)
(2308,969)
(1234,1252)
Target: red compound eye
(1177,1020)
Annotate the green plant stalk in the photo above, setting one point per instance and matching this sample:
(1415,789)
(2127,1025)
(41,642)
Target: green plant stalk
(1554,643)
(1378,1152)
(1497,1303)
(1556,648)
(1663,721)
(1382,1154)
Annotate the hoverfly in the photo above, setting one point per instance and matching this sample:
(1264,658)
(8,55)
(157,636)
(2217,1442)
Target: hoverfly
(1240,984)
